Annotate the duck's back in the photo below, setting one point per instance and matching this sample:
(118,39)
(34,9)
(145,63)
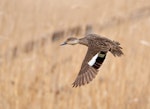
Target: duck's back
(99,42)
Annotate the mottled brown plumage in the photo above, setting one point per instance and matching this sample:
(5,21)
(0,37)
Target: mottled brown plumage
(98,47)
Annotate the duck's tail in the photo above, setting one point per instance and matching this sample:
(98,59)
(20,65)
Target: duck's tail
(116,49)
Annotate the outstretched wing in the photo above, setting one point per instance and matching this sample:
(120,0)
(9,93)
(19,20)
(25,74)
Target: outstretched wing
(92,62)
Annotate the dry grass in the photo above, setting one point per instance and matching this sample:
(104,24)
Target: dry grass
(36,73)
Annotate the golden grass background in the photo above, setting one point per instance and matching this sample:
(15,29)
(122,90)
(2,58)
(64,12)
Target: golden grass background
(41,76)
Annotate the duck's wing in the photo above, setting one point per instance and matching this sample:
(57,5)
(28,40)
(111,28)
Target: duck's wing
(92,62)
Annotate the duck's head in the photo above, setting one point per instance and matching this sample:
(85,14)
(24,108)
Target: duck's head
(71,41)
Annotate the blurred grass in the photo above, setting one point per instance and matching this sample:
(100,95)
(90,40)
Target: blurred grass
(41,79)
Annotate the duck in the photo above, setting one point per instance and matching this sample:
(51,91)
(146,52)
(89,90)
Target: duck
(98,47)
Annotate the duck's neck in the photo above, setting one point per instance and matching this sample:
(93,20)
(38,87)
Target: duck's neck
(83,41)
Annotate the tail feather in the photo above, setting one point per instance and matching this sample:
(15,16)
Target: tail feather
(116,49)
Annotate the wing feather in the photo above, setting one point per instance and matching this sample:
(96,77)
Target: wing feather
(85,77)
(87,73)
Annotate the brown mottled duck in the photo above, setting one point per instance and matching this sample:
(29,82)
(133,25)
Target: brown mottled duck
(98,47)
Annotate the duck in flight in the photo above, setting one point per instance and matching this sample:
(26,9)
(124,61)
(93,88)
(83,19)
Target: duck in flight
(98,47)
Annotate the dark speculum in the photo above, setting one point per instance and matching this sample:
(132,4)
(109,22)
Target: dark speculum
(100,59)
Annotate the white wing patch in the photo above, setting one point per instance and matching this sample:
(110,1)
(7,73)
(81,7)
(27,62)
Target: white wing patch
(93,60)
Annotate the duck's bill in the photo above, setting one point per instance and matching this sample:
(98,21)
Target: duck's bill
(63,44)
